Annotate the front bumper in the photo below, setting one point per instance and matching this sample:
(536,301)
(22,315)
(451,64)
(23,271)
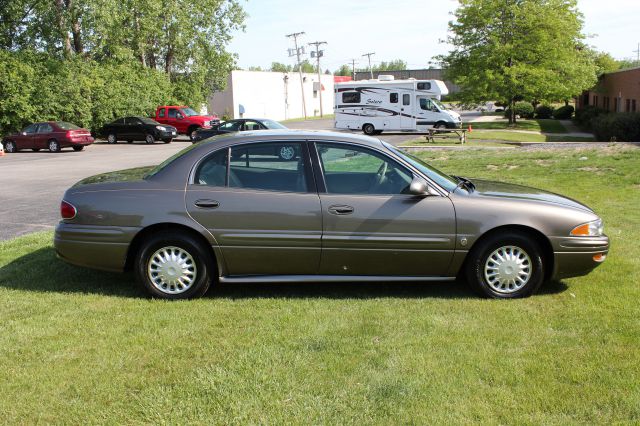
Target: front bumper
(97,247)
(577,256)
(166,134)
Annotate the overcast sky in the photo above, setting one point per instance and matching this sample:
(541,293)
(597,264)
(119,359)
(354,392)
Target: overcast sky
(400,29)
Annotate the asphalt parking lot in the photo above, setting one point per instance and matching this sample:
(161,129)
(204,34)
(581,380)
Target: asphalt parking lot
(34,182)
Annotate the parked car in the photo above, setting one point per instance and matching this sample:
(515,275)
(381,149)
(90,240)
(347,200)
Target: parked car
(338,208)
(185,119)
(138,129)
(51,135)
(238,125)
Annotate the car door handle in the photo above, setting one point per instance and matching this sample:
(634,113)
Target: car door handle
(340,210)
(207,204)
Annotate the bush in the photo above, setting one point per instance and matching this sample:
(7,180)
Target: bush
(624,127)
(544,111)
(523,109)
(563,113)
(585,116)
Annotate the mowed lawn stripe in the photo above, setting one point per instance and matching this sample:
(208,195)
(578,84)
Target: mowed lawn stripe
(80,346)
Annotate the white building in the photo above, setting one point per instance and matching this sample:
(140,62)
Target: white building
(275,95)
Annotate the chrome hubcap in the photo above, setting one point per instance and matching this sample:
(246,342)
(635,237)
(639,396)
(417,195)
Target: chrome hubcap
(149,139)
(111,139)
(52,146)
(507,269)
(172,270)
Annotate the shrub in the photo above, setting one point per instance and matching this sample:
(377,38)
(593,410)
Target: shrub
(544,111)
(585,116)
(563,113)
(523,109)
(623,127)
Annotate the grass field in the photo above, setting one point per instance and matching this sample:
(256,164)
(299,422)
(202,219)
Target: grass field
(79,346)
(311,117)
(547,126)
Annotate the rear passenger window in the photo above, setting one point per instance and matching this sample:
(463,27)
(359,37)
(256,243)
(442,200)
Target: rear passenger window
(269,166)
(45,128)
(351,97)
(393,98)
(213,170)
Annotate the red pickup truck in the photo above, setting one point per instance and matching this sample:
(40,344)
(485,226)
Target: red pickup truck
(185,119)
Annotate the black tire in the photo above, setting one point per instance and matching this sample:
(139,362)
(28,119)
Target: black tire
(10,146)
(377,132)
(369,129)
(112,138)
(192,132)
(440,125)
(149,138)
(35,149)
(53,145)
(166,140)
(204,265)
(129,141)
(78,148)
(478,259)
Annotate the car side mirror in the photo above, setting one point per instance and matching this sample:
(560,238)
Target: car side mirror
(419,187)
(179,116)
(23,133)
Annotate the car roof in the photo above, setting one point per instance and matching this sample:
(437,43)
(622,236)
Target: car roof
(288,134)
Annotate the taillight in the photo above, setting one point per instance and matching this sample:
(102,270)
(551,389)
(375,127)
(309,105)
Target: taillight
(69,134)
(67,210)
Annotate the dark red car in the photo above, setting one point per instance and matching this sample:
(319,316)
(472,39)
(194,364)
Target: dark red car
(51,135)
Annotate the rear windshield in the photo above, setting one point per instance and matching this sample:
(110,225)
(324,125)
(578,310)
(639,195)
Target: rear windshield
(67,126)
(146,120)
(270,124)
(169,160)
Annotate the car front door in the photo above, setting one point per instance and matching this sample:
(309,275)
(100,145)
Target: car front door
(25,139)
(371,224)
(135,128)
(262,208)
(176,119)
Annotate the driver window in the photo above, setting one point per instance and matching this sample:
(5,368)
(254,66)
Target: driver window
(355,170)
(426,104)
(173,113)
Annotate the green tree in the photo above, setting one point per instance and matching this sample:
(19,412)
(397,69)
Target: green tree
(305,66)
(343,70)
(518,49)
(605,62)
(279,67)
(394,65)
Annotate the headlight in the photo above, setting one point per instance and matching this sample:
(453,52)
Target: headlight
(589,229)
(164,129)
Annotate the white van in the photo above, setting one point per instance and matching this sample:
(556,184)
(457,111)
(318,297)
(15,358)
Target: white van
(385,104)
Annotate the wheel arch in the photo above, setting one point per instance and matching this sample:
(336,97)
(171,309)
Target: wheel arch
(537,236)
(146,232)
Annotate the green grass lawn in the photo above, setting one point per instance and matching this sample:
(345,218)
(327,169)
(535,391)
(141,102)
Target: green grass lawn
(80,346)
(315,117)
(547,126)
(497,138)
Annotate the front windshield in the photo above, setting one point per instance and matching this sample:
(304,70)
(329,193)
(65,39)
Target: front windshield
(439,104)
(270,124)
(188,112)
(146,120)
(447,182)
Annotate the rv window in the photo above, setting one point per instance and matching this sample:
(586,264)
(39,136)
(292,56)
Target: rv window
(406,99)
(424,86)
(426,104)
(393,98)
(351,97)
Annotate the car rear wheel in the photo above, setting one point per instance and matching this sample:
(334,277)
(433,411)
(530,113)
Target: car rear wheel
(53,145)
(35,149)
(369,129)
(112,138)
(505,266)
(149,139)
(10,146)
(129,141)
(78,148)
(171,265)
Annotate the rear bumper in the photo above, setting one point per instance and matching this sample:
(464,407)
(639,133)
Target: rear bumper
(577,256)
(75,142)
(97,247)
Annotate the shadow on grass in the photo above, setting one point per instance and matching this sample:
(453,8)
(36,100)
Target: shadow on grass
(41,271)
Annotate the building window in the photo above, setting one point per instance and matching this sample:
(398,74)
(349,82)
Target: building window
(595,100)
(351,97)
(633,105)
(628,108)
(393,98)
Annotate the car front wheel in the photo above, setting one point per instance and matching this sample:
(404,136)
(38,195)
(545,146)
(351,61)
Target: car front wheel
(369,129)
(174,266)
(193,133)
(149,138)
(78,148)
(505,266)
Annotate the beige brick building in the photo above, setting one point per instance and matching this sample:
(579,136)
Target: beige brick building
(617,91)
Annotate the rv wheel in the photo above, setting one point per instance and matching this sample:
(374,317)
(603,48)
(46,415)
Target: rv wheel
(368,129)
(440,125)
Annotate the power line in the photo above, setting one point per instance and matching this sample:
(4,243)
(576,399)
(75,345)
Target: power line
(296,52)
(369,56)
(318,54)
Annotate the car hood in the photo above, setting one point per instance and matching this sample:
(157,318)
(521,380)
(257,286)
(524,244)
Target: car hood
(487,188)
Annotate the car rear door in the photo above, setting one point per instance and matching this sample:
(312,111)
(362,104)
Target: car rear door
(42,136)
(371,224)
(261,206)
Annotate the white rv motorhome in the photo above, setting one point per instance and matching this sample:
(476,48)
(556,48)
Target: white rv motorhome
(385,104)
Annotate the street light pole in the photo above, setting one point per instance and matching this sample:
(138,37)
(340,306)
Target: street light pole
(319,53)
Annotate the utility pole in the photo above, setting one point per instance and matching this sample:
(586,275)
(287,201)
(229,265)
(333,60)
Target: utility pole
(369,56)
(318,54)
(353,68)
(637,52)
(296,52)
